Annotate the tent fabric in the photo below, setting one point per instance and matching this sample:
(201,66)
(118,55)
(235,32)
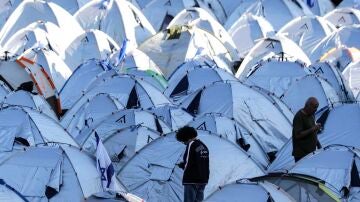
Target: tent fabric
(345,36)
(172,115)
(202,19)
(102,15)
(170,48)
(320,7)
(333,133)
(4,90)
(30,11)
(307,31)
(301,188)
(85,115)
(275,46)
(349,3)
(93,44)
(7,7)
(121,119)
(8,193)
(232,131)
(247,106)
(31,126)
(341,57)
(351,77)
(80,80)
(245,190)
(287,10)
(184,83)
(341,17)
(70,6)
(247,30)
(26,99)
(153,174)
(54,167)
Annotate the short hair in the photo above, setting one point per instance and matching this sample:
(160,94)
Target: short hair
(310,101)
(185,134)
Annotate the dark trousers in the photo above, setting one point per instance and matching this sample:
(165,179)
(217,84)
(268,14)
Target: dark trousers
(194,192)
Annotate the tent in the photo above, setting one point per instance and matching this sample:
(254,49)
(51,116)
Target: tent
(4,89)
(351,77)
(70,6)
(30,127)
(334,76)
(173,116)
(170,48)
(286,11)
(31,11)
(198,17)
(80,80)
(276,46)
(341,57)
(247,30)
(62,173)
(26,99)
(341,17)
(247,106)
(233,131)
(320,7)
(184,83)
(345,36)
(36,34)
(121,144)
(8,193)
(131,24)
(245,190)
(7,7)
(93,44)
(345,133)
(349,3)
(153,174)
(301,188)
(307,31)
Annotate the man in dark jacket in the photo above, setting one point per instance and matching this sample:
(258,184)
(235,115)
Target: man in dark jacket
(195,164)
(305,129)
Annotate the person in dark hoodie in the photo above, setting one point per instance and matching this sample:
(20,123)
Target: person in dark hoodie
(195,164)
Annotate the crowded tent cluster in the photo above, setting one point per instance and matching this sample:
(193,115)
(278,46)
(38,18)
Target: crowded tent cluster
(86,80)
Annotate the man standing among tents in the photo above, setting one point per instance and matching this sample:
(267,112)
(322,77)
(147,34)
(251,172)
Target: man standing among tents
(195,164)
(305,129)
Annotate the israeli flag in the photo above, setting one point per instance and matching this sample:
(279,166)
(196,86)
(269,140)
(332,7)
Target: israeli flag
(105,167)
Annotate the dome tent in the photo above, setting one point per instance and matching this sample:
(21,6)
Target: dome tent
(246,190)
(70,6)
(7,7)
(307,31)
(351,77)
(103,14)
(170,48)
(4,89)
(93,44)
(341,57)
(247,106)
(320,7)
(8,193)
(233,131)
(153,174)
(341,17)
(345,133)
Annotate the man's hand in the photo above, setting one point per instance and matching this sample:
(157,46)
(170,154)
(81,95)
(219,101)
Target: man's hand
(317,127)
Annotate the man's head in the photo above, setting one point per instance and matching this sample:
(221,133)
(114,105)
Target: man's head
(311,106)
(185,134)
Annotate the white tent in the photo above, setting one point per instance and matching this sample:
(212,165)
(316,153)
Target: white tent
(307,31)
(8,193)
(345,133)
(31,11)
(351,75)
(320,7)
(183,83)
(341,177)
(244,190)
(345,36)
(341,17)
(51,173)
(30,128)
(36,34)
(285,11)
(27,99)
(339,81)
(80,80)
(341,57)
(6,8)
(247,30)
(174,116)
(70,6)
(247,106)
(130,23)
(93,44)
(233,131)
(198,17)
(349,3)
(121,144)
(170,48)
(276,46)
(153,174)
(4,90)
